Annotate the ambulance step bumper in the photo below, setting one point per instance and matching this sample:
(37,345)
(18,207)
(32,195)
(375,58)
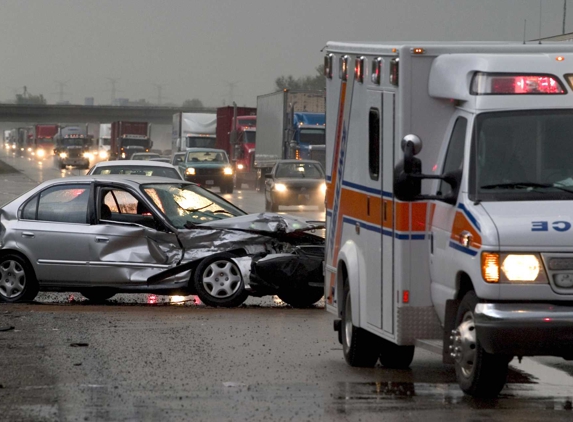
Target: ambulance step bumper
(528,329)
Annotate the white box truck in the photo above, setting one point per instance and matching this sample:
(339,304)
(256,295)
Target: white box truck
(450,204)
(193,130)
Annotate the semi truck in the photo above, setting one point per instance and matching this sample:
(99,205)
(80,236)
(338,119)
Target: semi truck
(193,130)
(127,138)
(290,125)
(71,148)
(44,140)
(236,134)
(449,203)
(104,140)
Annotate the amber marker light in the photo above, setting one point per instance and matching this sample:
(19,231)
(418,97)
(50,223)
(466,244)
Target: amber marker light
(490,267)
(560,58)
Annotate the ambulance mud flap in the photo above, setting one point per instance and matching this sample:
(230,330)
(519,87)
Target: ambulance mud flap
(449,322)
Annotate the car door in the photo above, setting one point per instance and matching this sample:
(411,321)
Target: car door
(129,244)
(53,232)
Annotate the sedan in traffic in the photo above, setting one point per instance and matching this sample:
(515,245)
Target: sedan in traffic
(295,182)
(136,168)
(102,235)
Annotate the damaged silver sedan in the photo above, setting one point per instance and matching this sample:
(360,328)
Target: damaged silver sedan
(102,235)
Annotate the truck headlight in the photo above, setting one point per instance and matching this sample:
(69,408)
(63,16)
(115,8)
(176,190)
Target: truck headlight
(103,155)
(279,187)
(228,170)
(88,155)
(190,171)
(240,167)
(514,268)
(63,155)
(40,153)
(123,155)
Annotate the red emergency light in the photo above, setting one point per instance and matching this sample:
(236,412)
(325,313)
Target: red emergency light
(516,84)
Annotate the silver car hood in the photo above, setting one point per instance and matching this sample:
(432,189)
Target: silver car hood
(266,222)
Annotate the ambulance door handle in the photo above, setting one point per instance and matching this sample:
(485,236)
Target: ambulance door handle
(432,243)
(465,238)
(385,217)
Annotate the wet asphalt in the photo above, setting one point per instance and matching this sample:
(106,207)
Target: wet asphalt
(140,357)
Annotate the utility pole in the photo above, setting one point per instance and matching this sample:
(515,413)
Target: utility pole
(231,86)
(564,14)
(113,82)
(159,92)
(61,92)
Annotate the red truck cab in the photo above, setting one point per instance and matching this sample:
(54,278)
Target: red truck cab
(44,140)
(246,128)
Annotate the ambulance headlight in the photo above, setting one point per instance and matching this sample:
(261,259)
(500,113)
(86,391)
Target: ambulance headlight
(323,188)
(513,268)
(279,187)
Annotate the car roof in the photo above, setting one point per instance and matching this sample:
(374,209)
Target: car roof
(130,180)
(214,150)
(298,162)
(128,163)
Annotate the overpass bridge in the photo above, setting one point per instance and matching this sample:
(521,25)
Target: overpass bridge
(48,113)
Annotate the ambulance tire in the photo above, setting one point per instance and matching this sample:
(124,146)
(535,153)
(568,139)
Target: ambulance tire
(479,373)
(360,347)
(394,356)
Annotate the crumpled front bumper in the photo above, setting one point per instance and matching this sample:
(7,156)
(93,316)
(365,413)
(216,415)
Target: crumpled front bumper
(525,329)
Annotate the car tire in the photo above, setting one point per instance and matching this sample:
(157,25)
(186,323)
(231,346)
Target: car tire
(18,282)
(219,282)
(360,347)
(394,356)
(98,295)
(479,373)
(301,298)
(230,188)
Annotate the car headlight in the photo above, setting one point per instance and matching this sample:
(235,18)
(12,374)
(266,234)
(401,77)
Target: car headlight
(240,167)
(123,155)
(190,171)
(29,149)
(40,153)
(63,155)
(103,155)
(228,170)
(323,188)
(279,187)
(513,268)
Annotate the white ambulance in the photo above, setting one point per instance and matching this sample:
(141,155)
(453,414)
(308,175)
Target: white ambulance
(450,204)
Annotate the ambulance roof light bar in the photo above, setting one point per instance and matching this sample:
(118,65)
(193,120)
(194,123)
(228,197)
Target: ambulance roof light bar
(516,84)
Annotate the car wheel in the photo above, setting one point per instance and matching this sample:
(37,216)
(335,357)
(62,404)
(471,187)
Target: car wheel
(98,294)
(394,356)
(218,281)
(479,373)
(17,279)
(301,298)
(230,188)
(360,347)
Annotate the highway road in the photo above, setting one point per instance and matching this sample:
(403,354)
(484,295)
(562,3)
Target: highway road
(64,359)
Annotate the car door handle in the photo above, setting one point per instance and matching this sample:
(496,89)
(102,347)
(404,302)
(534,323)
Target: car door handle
(100,239)
(27,234)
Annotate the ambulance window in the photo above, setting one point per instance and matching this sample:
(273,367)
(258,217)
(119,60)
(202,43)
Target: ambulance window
(374,143)
(455,154)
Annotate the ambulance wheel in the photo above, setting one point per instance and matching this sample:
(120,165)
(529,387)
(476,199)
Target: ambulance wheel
(219,282)
(394,356)
(359,346)
(479,373)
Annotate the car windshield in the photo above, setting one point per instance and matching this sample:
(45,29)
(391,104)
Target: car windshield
(75,142)
(144,156)
(200,142)
(106,141)
(312,136)
(524,155)
(185,205)
(299,171)
(207,157)
(138,171)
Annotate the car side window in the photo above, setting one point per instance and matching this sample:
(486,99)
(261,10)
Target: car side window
(29,210)
(121,206)
(65,204)
(120,201)
(455,154)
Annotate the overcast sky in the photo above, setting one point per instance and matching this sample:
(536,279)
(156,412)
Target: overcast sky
(195,48)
